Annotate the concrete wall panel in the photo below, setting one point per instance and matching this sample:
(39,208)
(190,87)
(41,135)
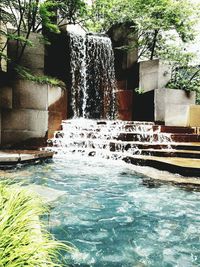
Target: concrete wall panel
(25,119)
(165,98)
(154,74)
(6,97)
(30,95)
(176,115)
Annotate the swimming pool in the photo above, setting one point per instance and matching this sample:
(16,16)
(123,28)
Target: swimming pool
(113,219)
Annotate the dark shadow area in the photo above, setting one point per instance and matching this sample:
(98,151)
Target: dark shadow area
(143,106)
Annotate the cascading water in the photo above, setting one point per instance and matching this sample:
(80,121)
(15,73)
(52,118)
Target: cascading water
(78,74)
(93,77)
(105,139)
(93,89)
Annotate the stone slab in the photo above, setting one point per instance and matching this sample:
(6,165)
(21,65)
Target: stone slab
(183,166)
(164,74)
(3,41)
(148,75)
(13,157)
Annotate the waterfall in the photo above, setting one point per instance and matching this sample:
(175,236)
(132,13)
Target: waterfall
(93,76)
(106,138)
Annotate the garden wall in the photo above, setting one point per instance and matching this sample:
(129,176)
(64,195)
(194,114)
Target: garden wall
(31,112)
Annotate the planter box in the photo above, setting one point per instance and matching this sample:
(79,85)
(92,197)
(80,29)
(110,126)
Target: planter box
(172,106)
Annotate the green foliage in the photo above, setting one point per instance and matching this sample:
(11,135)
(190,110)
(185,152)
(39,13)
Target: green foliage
(47,14)
(24,240)
(155,22)
(102,14)
(27,75)
(72,11)
(186,78)
(198,98)
(27,16)
(139,91)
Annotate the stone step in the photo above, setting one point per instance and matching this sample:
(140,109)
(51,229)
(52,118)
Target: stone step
(183,166)
(185,137)
(171,153)
(173,129)
(129,126)
(116,145)
(155,137)
(107,122)
(10,158)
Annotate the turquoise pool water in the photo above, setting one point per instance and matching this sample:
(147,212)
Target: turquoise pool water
(114,219)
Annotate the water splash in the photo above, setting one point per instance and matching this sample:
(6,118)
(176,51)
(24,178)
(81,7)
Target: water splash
(105,138)
(93,77)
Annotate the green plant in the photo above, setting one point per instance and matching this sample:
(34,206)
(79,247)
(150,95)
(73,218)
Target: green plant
(184,75)
(71,11)
(43,79)
(186,78)
(24,240)
(139,91)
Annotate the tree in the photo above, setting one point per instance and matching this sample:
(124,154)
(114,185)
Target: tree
(71,11)
(28,16)
(156,22)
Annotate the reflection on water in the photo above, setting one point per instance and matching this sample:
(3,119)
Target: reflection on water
(113,219)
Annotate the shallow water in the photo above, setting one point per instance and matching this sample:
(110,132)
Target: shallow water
(113,219)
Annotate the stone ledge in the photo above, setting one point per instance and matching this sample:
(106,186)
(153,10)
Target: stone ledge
(183,166)
(10,158)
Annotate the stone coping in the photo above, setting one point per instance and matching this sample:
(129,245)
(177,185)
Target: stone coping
(11,158)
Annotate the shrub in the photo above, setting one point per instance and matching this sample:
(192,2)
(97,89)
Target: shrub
(23,238)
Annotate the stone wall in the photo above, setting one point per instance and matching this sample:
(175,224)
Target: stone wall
(31,111)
